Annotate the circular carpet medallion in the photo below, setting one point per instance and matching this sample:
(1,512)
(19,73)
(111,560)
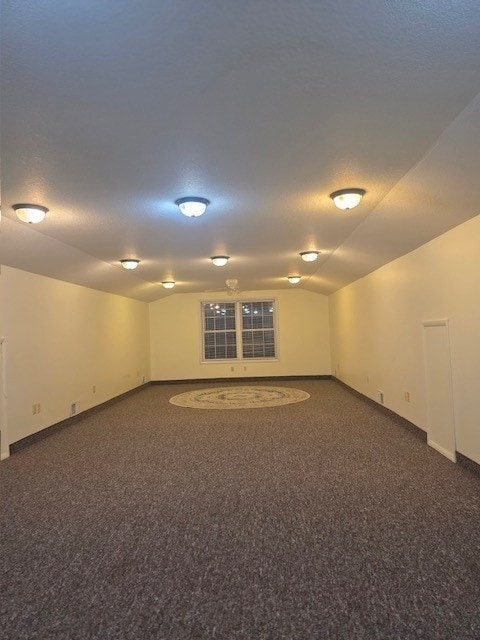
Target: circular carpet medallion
(239,397)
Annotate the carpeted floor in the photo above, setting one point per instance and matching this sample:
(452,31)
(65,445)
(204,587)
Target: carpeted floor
(323,519)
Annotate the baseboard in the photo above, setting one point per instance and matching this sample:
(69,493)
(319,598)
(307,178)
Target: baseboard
(460,459)
(448,454)
(58,426)
(403,422)
(468,463)
(240,379)
(54,428)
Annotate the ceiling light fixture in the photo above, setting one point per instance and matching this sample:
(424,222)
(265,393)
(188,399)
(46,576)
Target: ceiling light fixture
(31,213)
(309,256)
(168,284)
(192,207)
(130,263)
(294,279)
(220,261)
(347,198)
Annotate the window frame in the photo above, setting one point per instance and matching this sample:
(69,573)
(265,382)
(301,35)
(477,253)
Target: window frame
(238,330)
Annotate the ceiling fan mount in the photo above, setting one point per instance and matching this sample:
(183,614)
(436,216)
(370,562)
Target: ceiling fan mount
(232,287)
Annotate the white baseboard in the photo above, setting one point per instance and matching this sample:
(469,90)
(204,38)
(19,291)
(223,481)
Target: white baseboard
(4,456)
(451,455)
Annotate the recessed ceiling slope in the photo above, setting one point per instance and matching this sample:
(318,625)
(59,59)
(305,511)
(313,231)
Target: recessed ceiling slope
(438,194)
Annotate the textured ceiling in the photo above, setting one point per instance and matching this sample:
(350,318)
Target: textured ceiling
(112,110)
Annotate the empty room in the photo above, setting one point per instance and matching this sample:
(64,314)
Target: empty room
(239,317)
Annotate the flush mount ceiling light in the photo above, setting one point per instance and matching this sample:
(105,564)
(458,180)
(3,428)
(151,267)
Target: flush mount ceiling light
(220,261)
(31,213)
(309,256)
(129,263)
(192,207)
(168,284)
(294,279)
(347,198)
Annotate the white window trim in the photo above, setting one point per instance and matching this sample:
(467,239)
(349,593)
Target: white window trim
(238,330)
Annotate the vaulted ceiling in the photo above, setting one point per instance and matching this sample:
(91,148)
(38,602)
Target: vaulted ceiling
(112,110)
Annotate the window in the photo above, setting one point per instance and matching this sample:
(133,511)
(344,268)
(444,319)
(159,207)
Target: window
(219,331)
(238,330)
(258,334)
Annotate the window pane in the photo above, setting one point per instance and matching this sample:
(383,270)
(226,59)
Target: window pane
(257,322)
(269,351)
(269,336)
(268,321)
(221,353)
(247,344)
(257,331)
(209,353)
(220,340)
(258,344)
(247,337)
(219,335)
(219,323)
(231,351)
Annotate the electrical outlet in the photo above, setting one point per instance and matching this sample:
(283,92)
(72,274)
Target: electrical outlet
(232,368)
(34,408)
(94,389)
(406,396)
(74,408)
(380,396)
(244,368)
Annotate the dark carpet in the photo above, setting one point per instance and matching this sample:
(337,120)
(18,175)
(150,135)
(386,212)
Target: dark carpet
(324,519)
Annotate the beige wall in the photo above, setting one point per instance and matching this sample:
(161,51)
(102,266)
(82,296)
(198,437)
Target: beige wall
(61,340)
(303,337)
(376,330)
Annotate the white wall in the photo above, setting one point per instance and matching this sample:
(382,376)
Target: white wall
(376,330)
(61,340)
(302,339)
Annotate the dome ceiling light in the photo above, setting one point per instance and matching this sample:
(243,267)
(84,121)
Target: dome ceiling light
(168,284)
(192,207)
(294,279)
(31,213)
(130,263)
(309,256)
(347,198)
(220,261)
